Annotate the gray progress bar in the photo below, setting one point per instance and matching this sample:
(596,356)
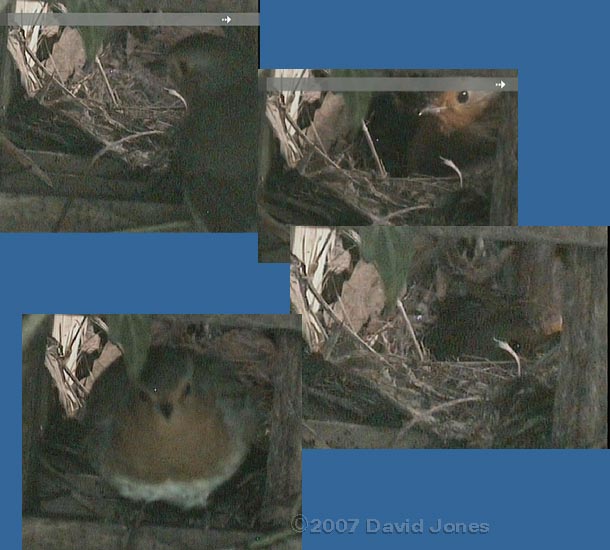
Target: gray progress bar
(133,19)
(392,84)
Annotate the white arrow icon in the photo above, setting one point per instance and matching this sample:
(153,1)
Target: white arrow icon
(500,84)
(226,19)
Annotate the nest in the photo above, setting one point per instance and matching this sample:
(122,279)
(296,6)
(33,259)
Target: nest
(401,374)
(118,104)
(335,149)
(99,137)
(69,487)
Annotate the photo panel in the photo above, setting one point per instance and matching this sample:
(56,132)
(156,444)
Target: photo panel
(131,121)
(442,378)
(453,337)
(182,428)
(387,147)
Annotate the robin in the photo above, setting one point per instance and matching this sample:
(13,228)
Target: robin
(459,125)
(217,143)
(176,434)
(459,110)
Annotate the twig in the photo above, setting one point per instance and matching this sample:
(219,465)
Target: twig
(429,414)
(87,173)
(24,160)
(339,321)
(506,347)
(113,145)
(401,307)
(406,211)
(453,166)
(369,140)
(113,95)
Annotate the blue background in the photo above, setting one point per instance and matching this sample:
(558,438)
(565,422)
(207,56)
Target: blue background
(560,50)
(529,498)
(127,273)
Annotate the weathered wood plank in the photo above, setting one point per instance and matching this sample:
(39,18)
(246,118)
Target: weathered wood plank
(283,489)
(41,214)
(58,534)
(580,417)
(585,236)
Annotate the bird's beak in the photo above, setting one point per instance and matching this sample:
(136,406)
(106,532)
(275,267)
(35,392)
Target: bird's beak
(431,110)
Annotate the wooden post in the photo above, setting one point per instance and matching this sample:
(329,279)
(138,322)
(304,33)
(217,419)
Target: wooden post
(581,402)
(504,190)
(283,489)
(36,399)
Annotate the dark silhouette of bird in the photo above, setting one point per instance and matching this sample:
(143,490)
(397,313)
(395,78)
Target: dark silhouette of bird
(217,142)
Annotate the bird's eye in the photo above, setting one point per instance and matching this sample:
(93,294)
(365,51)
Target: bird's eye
(462,97)
(187,389)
